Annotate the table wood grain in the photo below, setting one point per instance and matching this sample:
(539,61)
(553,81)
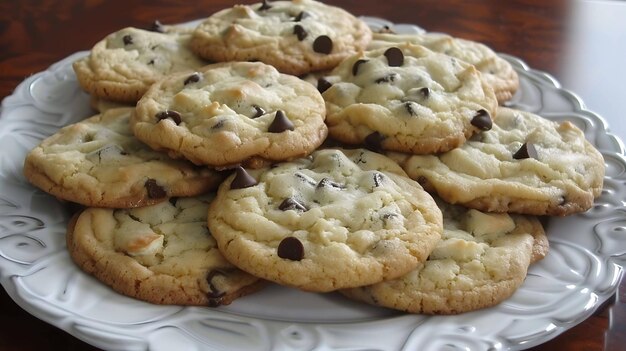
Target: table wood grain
(562,37)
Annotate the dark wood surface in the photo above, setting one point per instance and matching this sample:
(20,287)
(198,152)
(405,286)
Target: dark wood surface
(581,43)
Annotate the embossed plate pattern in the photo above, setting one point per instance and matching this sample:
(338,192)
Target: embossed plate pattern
(588,253)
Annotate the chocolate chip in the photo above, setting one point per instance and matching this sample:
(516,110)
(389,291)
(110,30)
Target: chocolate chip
(127,39)
(302,15)
(378,179)
(323,44)
(527,150)
(291,204)
(323,85)
(299,31)
(388,215)
(220,123)
(355,67)
(482,120)
(242,179)
(390,78)
(258,111)
(409,108)
(280,124)
(305,179)
(325,182)
(373,142)
(155,191)
(386,29)
(291,248)
(194,78)
(175,116)
(151,62)
(425,92)
(156,26)
(173,200)
(395,57)
(213,291)
(265,6)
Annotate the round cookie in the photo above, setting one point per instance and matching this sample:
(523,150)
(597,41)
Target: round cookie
(496,71)
(407,98)
(122,66)
(296,36)
(481,260)
(98,162)
(524,164)
(162,254)
(325,222)
(230,113)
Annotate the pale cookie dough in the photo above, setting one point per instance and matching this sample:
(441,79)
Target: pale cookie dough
(230,113)
(524,164)
(325,222)
(98,162)
(162,254)
(296,36)
(481,260)
(496,71)
(122,66)
(407,98)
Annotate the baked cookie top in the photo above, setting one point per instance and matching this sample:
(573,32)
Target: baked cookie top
(481,260)
(122,66)
(524,164)
(496,71)
(98,162)
(332,220)
(230,113)
(296,36)
(162,253)
(407,98)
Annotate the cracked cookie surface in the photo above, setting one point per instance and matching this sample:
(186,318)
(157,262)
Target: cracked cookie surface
(98,162)
(230,113)
(332,220)
(481,260)
(122,66)
(407,98)
(496,71)
(524,164)
(162,254)
(296,36)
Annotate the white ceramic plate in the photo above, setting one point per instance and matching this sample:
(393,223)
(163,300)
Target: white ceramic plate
(586,259)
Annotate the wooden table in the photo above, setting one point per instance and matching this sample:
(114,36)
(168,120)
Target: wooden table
(580,42)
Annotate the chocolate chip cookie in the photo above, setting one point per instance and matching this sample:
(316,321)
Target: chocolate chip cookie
(162,254)
(231,113)
(329,221)
(296,36)
(98,162)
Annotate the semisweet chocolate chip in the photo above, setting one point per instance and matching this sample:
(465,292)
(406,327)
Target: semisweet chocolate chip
(325,182)
(194,78)
(242,179)
(175,116)
(305,179)
(151,62)
(299,31)
(395,57)
(409,108)
(425,92)
(280,124)
(323,85)
(155,191)
(291,248)
(386,29)
(323,44)
(390,78)
(173,200)
(259,111)
(220,123)
(265,6)
(127,39)
(213,291)
(482,120)
(373,142)
(291,204)
(527,150)
(355,67)
(302,15)
(157,26)
(378,179)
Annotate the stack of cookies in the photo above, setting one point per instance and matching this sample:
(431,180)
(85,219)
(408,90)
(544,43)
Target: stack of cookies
(286,142)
